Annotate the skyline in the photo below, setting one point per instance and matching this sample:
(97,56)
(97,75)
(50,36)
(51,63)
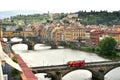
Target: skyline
(58,6)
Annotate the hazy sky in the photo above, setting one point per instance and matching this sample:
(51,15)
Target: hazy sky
(60,5)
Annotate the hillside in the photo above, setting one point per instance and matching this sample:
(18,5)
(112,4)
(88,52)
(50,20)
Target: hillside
(8,14)
(102,17)
(85,18)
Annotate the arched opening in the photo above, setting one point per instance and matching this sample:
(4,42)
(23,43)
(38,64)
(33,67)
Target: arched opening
(113,74)
(41,76)
(30,46)
(41,47)
(15,39)
(78,75)
(5,39)
(20,47)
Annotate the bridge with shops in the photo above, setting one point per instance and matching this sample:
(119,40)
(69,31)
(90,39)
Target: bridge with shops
(32,43)
(28,37)
(98,69)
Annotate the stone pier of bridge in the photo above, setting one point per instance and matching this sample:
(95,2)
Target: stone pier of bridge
(30,45)
(57,75)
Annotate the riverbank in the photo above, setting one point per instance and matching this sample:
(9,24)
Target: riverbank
(91,49)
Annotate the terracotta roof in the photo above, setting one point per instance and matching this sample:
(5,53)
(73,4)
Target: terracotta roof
(27,73)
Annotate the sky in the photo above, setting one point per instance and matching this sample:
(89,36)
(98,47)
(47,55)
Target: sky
(58,6)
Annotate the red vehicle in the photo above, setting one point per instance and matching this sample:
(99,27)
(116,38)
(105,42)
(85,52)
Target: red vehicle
(79,63)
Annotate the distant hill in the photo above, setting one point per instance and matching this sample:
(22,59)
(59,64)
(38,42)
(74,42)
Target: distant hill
(8,14)
(99,17)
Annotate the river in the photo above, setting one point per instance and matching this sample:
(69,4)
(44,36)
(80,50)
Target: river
(44,56)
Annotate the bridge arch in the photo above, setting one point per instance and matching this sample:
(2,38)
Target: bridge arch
(5,39)
(16,48)
(12,39)
(53,74)
(71,69)
(83,73)
(34,45)
(112,68)
(112,71)
(16,39)
(29,46)
(41,75)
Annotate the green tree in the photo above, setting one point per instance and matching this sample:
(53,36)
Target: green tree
(107,46)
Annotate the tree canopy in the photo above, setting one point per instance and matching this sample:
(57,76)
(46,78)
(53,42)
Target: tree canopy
(107,46)
(102,17)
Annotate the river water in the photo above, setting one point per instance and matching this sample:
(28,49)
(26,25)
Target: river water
(44,56)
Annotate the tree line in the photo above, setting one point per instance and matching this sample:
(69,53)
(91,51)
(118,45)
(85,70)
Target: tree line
(101,17)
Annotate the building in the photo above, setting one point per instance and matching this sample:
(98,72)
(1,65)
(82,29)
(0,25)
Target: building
(78,34)
(57,33)
(68,34)
(95,35)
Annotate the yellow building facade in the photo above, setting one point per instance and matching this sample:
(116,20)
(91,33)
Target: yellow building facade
(74,34)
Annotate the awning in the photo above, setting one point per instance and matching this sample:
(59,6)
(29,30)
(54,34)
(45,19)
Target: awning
(12,63)
(1,72)
(4,57)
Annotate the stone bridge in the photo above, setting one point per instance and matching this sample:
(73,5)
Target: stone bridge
(98,69)
(30,41)
(30,44)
